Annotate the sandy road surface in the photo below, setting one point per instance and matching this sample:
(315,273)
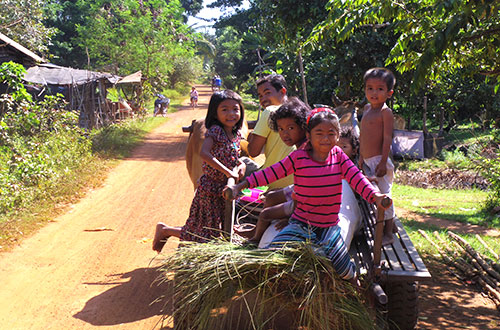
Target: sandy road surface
(91,267)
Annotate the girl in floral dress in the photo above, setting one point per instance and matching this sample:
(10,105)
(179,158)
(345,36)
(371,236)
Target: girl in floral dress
(220,152)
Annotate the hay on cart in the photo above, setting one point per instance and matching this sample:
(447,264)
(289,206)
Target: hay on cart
(220,285)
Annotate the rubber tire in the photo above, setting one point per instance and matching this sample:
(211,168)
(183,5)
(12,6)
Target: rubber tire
(402,306)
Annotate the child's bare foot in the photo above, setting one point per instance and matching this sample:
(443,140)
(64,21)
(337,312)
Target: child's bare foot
(245,230)
(394,228)
(161,237)
(250,243)
(387,239)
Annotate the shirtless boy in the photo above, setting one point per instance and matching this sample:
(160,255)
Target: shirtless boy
(376,137)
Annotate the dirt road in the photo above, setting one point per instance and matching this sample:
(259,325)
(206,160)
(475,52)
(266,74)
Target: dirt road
(91,267)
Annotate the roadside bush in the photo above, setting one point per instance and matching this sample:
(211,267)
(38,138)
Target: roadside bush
(46,159)
(488,164)
(40,143)
(114,141)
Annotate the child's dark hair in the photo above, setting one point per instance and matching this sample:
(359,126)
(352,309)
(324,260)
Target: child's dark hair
(381,73)
(320,115)
(276,80)
(216,99)
(347,133)
(293,108)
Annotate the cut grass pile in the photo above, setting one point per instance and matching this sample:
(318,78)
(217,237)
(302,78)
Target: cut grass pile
(219,285)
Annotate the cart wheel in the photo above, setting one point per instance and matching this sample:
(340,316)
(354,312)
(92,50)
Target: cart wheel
(402,308)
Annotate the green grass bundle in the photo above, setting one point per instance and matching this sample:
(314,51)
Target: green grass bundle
(219,285)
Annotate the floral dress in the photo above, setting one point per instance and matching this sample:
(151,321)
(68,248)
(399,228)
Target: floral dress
(207,209)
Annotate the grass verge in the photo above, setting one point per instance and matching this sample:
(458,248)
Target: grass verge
(464,206)
(456,205)
(428,251)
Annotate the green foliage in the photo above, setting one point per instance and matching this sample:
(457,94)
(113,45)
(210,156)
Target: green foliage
(434,36)
(22,21)
(457,205)
(229,56)
(46,159)
(10,75)
(65,17)
(125,36)
(116,141)
(463,96)
(39,142)
(269,30)
(488,164)
(192,7)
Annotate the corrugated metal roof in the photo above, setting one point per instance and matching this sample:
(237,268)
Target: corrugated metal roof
(131,78)
(51,74)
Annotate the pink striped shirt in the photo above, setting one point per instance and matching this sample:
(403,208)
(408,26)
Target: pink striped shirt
(317,185)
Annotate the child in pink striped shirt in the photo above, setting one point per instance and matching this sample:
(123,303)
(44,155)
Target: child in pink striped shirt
(318,172)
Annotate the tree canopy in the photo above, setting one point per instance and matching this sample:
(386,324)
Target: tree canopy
(434,36)
(124,36)
(22,21)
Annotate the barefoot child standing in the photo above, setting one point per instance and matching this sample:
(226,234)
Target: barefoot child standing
(376,137)
(220,151)
(194,97)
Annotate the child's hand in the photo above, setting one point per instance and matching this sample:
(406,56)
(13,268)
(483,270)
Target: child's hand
(381,169)
(234,173)
(241,170)
(281,224)
(382,200)
(229,193)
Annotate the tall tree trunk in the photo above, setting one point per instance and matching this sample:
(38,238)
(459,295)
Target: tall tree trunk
(441,120)
(301,68)
(424,116)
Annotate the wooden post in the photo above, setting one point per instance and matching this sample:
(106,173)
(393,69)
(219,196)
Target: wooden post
(379,232)
(301,69)
(229,215)
(424,117)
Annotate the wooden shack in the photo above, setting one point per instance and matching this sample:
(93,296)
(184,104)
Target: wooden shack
(84,90)
(13,51)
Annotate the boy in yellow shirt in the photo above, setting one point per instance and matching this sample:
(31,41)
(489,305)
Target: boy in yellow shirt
(272,93)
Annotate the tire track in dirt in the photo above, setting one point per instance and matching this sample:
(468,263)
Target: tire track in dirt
(91,266)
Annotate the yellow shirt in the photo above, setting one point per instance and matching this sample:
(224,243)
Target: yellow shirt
(274,149)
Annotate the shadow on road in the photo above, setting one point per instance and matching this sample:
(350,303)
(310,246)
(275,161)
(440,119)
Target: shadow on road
(131,301)
(161,147)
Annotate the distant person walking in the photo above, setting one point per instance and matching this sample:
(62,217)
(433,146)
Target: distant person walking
(216,83)
(194,97)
